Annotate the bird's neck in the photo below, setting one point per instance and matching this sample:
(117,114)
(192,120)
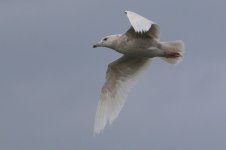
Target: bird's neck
(116,40)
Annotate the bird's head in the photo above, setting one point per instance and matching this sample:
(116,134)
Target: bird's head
(108,41)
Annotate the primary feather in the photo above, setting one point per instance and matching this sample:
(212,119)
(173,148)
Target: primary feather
(142,25)
(120,76)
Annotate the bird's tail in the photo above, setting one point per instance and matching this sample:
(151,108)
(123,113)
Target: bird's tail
(173,51)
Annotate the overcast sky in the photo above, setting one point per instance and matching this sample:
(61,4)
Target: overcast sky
(51,76)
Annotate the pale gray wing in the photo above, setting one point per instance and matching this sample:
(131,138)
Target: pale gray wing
(119,78)
(142,25)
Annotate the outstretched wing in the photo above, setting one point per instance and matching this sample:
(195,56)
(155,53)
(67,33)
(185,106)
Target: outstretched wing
(119,78)
(142,25)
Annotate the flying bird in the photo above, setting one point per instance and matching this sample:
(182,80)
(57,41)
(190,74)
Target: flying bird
(138,45)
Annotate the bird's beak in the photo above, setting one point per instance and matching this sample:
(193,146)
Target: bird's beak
(99,44)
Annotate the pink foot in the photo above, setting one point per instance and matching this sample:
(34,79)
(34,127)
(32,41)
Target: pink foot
(172,54)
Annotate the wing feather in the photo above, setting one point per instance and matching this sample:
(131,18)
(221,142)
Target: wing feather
(142,25)
(120,77)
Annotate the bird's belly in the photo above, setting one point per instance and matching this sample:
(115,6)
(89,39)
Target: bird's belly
(138,49)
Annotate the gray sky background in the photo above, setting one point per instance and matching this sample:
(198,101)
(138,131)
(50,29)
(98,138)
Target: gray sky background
(51,76)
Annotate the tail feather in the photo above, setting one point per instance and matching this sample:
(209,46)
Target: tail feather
(173,51)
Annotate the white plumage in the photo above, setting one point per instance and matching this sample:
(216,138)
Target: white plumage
(120,77)
(139,23)
(138,45)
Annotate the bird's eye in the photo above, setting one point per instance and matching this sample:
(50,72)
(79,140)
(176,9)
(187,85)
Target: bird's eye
(105,39)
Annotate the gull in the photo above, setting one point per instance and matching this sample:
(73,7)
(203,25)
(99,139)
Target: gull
(138,45)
